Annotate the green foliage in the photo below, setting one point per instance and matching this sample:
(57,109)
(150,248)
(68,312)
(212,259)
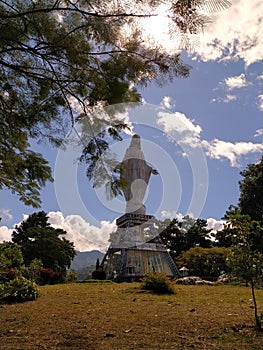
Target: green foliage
(246,260)
(251,192)
(38,240)
(97,264)
(207,263)
(54,53)
(50,54)
(30,272)
(48,276)
(11,261)
(157,283)
(98,274)
(71,276)
(18,290)
(181,236)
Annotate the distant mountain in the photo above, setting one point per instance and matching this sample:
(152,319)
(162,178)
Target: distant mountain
(85,259)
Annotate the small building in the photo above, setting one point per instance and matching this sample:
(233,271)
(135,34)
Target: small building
(184,271)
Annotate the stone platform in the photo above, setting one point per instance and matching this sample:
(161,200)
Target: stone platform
(132,219)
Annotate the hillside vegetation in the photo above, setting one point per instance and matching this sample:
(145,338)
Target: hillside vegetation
(111,316)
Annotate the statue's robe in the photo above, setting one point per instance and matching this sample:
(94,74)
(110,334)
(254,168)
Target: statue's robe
(135,174)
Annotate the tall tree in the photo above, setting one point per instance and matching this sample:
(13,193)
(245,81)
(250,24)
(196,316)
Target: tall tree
(59,59)
(39,240)
(246,259)
(251,191)
(181,236)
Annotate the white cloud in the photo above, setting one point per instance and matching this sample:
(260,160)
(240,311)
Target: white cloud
(185,132)
(166,214)
(181,128)
(215,225)
(259,132)
(6,213)
(212,224)
(234,33)
(5,234)
(230,98)
(236,82)
(218,149)
(166,102)
(260,103)
(226,99)
(86,237)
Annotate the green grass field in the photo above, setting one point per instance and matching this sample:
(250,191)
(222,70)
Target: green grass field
(121,316)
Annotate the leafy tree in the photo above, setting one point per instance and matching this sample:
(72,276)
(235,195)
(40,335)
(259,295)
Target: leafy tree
(223,238)
(251,191)
(97,264)
(181,236)
(173,238)
(256,236)
(246,261)
(38,240)
(197,234)
(60,59)
(207,263)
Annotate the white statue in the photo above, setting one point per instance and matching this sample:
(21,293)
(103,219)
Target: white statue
(135,174)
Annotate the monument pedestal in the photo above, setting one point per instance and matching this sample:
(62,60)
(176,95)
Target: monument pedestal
(136,249)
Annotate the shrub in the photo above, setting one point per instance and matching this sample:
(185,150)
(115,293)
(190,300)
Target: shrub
(18,290)
(157,283)
(98,274)
(71,276)
(48,276)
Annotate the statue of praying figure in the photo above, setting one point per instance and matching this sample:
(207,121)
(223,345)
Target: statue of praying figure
(135,174)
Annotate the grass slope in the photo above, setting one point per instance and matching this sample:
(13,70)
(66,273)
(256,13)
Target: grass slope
(119,316)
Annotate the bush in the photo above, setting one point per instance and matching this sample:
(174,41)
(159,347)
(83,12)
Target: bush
(98,274)
(157,283)
(71,276)
(48,276)
(18,290)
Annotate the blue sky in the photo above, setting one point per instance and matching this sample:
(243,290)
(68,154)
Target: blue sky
(199,132)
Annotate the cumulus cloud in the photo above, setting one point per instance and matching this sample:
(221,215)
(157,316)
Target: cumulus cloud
(218,149)
(185,132)
(234,33)
(215,225)
(182,129)
(212,224)
(236,82)
(86,237)
(5,234)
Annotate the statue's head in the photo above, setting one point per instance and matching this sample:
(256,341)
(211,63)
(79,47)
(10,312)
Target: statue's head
(136,141)
(136,136)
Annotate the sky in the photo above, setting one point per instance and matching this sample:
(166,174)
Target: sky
(199,133)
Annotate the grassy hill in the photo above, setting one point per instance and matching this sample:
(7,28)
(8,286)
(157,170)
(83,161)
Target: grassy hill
(120,316)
